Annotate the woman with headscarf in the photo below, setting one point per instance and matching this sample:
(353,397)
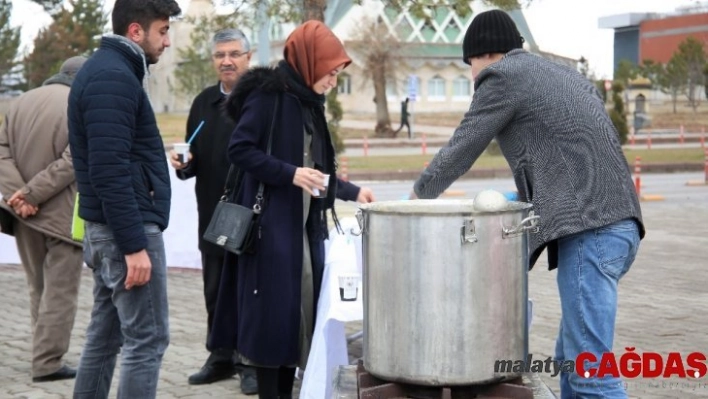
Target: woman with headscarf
(270,317)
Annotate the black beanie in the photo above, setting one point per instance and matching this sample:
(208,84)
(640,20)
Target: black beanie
(491,32)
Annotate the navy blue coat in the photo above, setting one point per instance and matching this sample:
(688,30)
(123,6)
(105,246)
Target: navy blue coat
(258,311)
(118,154)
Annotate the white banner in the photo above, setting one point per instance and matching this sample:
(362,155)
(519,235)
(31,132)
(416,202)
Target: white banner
(181,243)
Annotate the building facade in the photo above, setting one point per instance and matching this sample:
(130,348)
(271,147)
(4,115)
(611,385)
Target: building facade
(650,36)
(432,72)
(658,37)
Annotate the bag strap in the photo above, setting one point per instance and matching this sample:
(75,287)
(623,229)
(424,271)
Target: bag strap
(230,178)
(239,173)
(261,187)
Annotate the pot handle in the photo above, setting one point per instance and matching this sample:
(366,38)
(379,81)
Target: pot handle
(362,223)
(521,228)
(468,233)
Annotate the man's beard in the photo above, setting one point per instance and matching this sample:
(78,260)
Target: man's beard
(151,56)
(151,59)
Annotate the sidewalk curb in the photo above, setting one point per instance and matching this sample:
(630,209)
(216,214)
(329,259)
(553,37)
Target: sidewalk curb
(479,173)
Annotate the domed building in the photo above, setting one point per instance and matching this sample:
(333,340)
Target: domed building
(431,71)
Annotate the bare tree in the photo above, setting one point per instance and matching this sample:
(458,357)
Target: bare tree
(383,61)
(304,10)
(313,9)
(692,56)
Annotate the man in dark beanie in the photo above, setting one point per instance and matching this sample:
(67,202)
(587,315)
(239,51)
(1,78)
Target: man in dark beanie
(552,127)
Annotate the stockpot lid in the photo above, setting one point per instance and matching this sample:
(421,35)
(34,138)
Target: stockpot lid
(438,207)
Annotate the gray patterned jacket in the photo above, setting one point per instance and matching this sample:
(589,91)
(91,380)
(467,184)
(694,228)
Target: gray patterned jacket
(561,145)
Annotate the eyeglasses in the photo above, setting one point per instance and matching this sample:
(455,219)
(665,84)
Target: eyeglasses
(233,55)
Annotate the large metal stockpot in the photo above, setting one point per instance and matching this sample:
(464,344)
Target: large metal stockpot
(445,290)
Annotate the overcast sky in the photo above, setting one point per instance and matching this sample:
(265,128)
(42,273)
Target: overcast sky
(565,27)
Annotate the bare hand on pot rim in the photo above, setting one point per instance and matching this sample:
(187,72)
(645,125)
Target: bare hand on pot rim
(365,196)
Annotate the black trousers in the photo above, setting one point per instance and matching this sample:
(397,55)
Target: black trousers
(212,266)
(407,125)
(275,383)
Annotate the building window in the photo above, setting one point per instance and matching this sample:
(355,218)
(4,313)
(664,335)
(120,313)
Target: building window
(412,87)
(436,88)
(461,88)
(344,86)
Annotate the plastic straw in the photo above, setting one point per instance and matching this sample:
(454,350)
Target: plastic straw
(196,131)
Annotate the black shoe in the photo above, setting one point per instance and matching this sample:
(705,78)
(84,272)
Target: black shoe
(249,382)
(64,373)
(212,372)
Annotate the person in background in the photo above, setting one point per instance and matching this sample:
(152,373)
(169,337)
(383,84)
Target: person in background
(553,129)
(268,297)
(209,164)
(124,186)
(405,118)
(38,185)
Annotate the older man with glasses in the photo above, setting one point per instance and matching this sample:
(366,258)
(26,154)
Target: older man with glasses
(208,162)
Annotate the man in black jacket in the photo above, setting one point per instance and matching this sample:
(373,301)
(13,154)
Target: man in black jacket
(208,162)
(124,186)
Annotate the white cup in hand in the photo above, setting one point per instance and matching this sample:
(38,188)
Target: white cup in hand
(323,194)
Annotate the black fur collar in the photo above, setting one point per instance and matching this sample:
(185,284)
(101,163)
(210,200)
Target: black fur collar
(280,78)
(267,79)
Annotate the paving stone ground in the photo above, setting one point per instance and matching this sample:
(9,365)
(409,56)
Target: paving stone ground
(662,309)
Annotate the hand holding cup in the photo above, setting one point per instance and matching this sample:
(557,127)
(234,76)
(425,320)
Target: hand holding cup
(309,179)
(179,157)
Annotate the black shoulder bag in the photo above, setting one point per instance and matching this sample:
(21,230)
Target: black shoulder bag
(233,226)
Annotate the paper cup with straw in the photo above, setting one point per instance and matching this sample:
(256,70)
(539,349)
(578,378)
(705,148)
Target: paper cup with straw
(182,149)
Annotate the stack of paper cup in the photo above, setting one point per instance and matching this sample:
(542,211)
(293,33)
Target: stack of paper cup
(349,286)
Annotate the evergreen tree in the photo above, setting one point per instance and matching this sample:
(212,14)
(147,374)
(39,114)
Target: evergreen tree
(75,30)
(89,15)
(9,39)
(195,70)
(618,114)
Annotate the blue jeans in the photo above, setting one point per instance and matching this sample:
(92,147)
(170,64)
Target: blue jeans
(135,319)
(590,265)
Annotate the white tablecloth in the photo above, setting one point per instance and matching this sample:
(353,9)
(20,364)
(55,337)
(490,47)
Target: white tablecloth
(181,237)
(329,343)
